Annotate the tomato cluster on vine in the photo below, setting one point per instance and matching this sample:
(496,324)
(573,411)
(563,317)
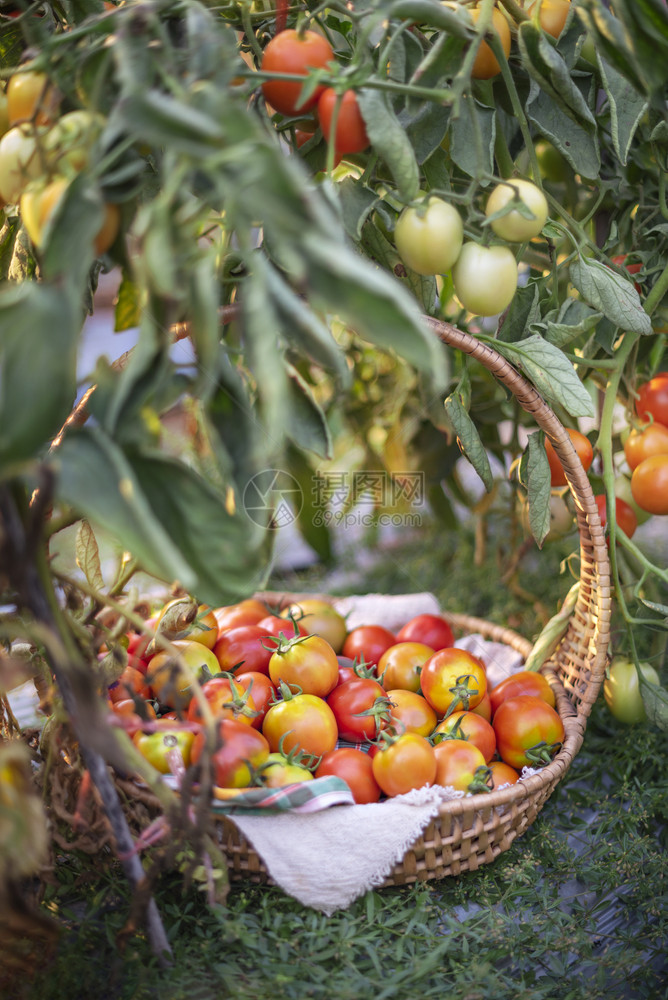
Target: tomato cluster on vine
(409,709)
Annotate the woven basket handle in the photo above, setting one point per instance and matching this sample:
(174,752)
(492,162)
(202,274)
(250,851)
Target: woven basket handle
(580,660)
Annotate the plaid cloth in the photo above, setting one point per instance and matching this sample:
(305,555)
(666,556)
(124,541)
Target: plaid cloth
(304,797)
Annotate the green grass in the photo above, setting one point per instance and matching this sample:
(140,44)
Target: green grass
(576,908)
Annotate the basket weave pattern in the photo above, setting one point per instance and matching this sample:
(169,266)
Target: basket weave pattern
(474,830)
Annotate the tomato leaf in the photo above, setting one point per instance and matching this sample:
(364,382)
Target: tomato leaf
(307,425)
(534,475)
(389,140)
(472,137)
(547,67)
(430,12)
(551,372)
(378,248)
(627,107)
(127,311)
(88,555)
(521,313)
(577,145)
(38,366)
(311,519)
(655,700)
(373,303)
(357,202)
(612,40)
(574,319)
(610,293)
(204,324)
(469,439)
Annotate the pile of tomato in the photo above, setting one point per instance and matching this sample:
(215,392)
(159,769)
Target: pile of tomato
(289,694)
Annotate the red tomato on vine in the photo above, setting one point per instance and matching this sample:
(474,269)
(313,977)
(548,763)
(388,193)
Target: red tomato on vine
(294,52)
(348,132)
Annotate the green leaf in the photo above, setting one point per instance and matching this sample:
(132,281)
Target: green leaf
(610,293)
(357,202)
(88,555)
(127,310)
(38,374)
(204,323)
(546,66)
(425,127)
(390,141)
(307,425)
(551,372)
(534,475)
(469,439)
(95,478)
(577,145)
(70,232)
(311,521)
(433,13)
(627,107)
(373,303)
(522,312)
(575,319)
(164,120)
(378,248)
(8,235)
(472,137)
(655,700)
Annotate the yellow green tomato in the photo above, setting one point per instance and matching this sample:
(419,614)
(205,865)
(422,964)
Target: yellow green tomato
(514,226)
(278,772)
(19,162)
(621,690)
(485,278)
(67,144)
(155,747)
(429,237)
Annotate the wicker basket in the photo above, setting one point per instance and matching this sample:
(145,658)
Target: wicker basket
(474,830)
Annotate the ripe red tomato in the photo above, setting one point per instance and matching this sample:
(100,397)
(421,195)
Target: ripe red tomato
(486,65)
(405,763)
(471,727)
(360,707)
(349,134)
(241,649)
(262,692)
(293,52)
(275,625)
(502,774)
(624,515)
(241,748)
(453,677)
(368,642)
(639,445)
(649,484)
(349,669)
(304,722)
(308,663)
(461,765)
(411,713)
(432,630)
(248,612)
(355,768)
(401,664)
(584,451)
(652,401)
(528,731)
(227,699)
(522,682)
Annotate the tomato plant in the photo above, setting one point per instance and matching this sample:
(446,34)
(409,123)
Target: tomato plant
(485,278)
(620,261)
(621,689)
(529,732)
(355,767)
(404,762)
(293,52)
(453,678)
(584,451)
(649,484)
(429,236)
(430,630)
(513,225)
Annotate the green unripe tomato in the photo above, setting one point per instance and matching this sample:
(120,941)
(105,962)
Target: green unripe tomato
(513,226)
(67,144)
(19,162)
(485,278)
(621,690)
(429,238)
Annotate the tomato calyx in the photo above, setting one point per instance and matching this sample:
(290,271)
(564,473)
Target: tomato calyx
(542,753)
(286,692)
(295,757)
(463,691)
(362,668)
(238,700)
(279,645)
(380,711)
(483,780)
